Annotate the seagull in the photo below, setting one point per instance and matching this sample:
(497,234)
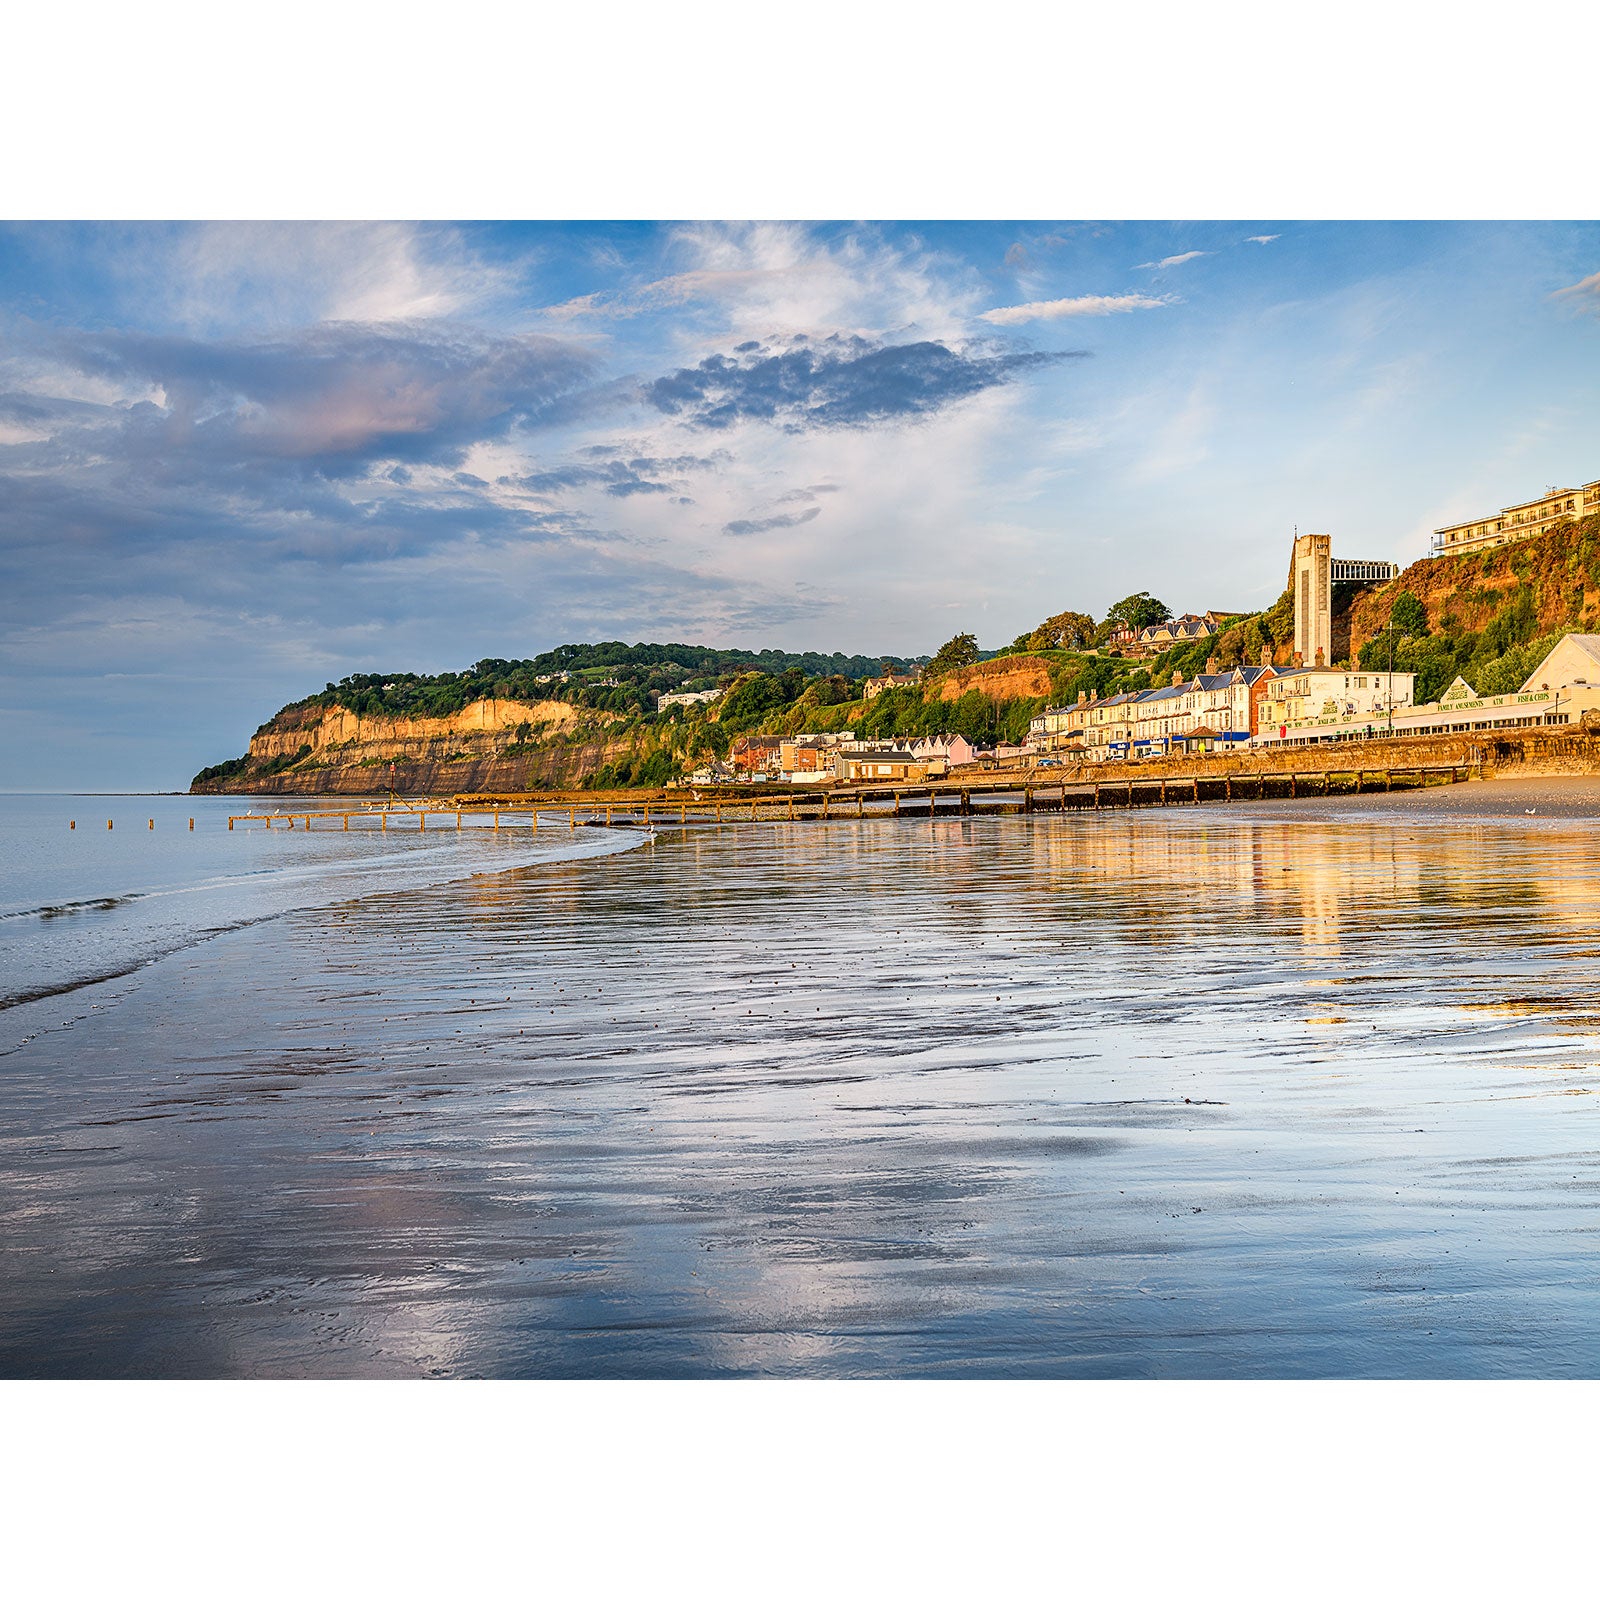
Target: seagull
(1532,811)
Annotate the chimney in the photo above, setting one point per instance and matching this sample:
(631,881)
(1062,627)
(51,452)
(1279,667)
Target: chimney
(1211,666)
(1320,661)
(1083,695)
(1177,678)
(1266,655)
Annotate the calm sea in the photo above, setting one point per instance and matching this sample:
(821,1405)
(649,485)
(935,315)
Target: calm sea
(1298,1089)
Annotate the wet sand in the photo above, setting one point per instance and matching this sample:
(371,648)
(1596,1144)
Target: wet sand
(1493,797)
(1284,1089)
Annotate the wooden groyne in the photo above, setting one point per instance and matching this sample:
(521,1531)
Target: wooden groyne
(997,796)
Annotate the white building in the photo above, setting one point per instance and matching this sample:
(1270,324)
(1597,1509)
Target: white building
(1557,692)
(1306,698)
(702,697)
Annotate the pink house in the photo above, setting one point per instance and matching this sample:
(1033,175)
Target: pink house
(953,748)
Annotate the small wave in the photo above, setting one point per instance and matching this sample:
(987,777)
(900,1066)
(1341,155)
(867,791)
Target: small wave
(71,908)
(125,963)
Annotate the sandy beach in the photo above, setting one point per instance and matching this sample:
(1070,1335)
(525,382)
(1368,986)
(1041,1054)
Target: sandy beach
(1289,1088)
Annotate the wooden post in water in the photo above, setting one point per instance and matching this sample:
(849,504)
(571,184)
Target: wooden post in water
(1227,789)
(383,821)
(608,816)
(966,802)
(897,802)
(346,821)
(860,803)
(152,824)
(74,822)
(824,805)
(230,824)
(1027,797)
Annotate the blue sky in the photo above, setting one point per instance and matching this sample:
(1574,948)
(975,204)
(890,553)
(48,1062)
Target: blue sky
(239,460)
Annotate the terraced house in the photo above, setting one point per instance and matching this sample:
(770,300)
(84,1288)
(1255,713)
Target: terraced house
(1214,711)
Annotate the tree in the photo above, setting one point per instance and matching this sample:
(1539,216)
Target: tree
(1066,630)
(1409,615)
(751,696)
(960,651)
(1137,611)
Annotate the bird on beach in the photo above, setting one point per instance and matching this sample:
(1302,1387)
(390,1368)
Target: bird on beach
(1532,811)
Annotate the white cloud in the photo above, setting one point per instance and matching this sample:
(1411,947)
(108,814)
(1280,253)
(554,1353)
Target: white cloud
(1084,305)
(1263,238)
(1171,261)
(768,280)
(268,274)
(898,521)
(1586,289)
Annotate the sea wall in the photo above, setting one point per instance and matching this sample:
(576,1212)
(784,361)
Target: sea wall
(1523,752)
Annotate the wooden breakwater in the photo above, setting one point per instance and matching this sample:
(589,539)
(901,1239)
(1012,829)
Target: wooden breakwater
(993,796)
(998,796)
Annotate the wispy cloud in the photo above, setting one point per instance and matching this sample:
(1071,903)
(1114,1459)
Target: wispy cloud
(1084,305)
(1263,238)
(676,290)
(1585,292)
(620,477)
(336,396)
(1171,261)
(782,519)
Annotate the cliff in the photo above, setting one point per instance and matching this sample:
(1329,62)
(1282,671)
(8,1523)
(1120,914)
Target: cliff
(1552,582)
(503,745)
(1019,677)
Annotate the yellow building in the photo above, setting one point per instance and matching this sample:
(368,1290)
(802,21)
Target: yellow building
(1524,521)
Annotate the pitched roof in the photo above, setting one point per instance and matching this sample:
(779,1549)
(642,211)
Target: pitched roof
(1587,643)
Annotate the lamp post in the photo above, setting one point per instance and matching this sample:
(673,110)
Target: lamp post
(1388,694)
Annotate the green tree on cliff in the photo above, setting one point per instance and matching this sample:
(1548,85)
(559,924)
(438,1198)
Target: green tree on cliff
(1066,630)
(1136,611)
(1409,615)
(960,651)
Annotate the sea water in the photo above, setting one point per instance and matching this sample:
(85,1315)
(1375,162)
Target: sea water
(96,886)
(1297,1089)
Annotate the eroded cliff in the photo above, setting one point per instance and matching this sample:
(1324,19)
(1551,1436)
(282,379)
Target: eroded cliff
(503,745)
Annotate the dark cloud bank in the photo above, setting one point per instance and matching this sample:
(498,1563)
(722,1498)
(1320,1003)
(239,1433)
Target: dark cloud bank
(839,382)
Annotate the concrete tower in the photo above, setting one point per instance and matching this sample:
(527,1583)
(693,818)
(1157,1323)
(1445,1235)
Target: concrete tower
(1311,579)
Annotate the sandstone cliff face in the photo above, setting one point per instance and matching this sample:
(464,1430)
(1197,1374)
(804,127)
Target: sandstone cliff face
(352,754)
(478,729)
(1009,678)
(1560,574)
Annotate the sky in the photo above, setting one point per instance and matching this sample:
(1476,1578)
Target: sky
(240,460)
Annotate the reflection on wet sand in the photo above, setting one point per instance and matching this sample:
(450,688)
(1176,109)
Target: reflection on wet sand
(1221,1092)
